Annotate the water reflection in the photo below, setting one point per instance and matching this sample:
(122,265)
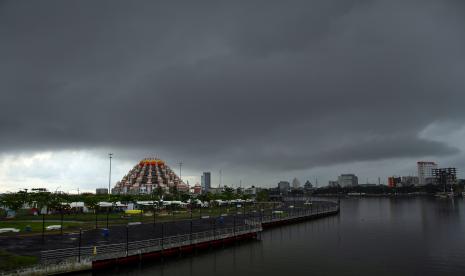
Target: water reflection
(371,236)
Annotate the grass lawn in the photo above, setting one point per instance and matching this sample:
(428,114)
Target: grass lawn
(10,261)
(72,222)
(36,226)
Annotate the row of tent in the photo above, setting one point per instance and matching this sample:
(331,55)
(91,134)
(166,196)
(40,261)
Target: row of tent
(197,202)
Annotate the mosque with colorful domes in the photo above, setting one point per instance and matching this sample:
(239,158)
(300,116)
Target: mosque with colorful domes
(147,176)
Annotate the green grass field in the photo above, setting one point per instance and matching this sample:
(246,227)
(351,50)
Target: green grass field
(36,226)
(72,222)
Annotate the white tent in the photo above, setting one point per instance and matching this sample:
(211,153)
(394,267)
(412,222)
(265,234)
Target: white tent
(105,204)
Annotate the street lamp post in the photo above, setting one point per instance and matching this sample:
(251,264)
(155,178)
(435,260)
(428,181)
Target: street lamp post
(108,213)
(127,240)
(110,155)
(153,211)
(235,214)
(162,234)
(79,249)
(96,217)
(214,228)
(43,227)
(61,218)
(190,236)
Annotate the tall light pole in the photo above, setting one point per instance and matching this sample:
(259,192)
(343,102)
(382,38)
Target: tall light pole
(109,176)
(180,168)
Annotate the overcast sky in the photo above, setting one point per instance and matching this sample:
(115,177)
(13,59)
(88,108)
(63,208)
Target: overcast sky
(264,90)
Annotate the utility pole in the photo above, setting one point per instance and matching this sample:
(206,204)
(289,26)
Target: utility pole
(110,155)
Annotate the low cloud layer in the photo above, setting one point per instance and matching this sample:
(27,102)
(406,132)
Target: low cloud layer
(255,87)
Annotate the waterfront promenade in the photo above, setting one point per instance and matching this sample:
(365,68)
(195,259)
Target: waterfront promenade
(93,249)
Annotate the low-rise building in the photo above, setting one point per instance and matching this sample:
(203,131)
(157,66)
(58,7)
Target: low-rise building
(394,181)
(409,181)
(252,191)
(347,180)
(215,190)
(197,189)
(333,184)
(101,191)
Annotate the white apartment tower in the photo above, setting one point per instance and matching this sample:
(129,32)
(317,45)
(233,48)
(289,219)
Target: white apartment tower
(425,171)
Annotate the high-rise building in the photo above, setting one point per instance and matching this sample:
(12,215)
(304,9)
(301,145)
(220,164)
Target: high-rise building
(347,180)
(446,177)
(206,181)
(425,171)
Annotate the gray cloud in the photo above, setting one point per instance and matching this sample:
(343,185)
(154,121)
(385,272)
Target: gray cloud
(241,84)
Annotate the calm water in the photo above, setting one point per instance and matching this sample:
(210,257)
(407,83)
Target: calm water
(379,236)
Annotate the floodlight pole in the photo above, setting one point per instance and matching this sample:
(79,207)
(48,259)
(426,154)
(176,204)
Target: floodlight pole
(109,176)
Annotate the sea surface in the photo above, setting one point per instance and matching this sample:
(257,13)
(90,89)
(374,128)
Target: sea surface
(371,236)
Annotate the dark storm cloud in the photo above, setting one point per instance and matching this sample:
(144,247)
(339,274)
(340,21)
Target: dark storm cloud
(309,82)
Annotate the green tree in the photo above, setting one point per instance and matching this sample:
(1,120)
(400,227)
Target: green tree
(55,202)
(185,197)
(40,200)
(13,201)
(263,196)
(206,197)
(174,192)
(127,198)
(91,202)
(228,193)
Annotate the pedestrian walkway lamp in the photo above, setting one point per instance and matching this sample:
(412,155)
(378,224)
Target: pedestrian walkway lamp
(61,217)
(162,234)
(79,247)
(96,218)
(190,236)
(214,228)
(43,227)
(153,211)
(235,214)
(127,240)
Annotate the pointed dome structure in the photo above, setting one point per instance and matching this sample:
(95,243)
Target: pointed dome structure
(147,176)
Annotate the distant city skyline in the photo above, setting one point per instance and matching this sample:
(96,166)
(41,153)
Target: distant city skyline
(86,182)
